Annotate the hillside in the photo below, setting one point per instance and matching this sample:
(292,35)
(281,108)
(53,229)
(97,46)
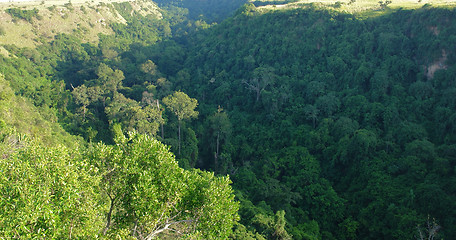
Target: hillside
(82,18)
(333,114)
(334,121)
(352,6)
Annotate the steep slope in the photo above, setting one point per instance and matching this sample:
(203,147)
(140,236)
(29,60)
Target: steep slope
(83,19)
(44,48)
(354,103)
(19,114)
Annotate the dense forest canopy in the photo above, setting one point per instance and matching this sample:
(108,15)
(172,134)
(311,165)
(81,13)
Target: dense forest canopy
(207,10)
(331,125)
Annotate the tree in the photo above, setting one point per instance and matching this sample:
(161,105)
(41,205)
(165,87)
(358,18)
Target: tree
(85,96)
(133,116)
(110,79)
(384,4)
(311,113)
(221,126)
(149,67)
(430,231)
(48,193)
(183,107)
(328,104)
(262,78)
(152,196)
(273,226)
(148,100)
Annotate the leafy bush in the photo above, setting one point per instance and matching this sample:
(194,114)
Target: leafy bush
(26,15)
(52,8)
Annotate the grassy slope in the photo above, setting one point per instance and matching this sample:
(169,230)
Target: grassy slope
(86,19)
(366,8)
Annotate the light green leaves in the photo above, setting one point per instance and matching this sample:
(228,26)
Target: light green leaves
(47,193)
(156,197)
(181,105)
(132,189)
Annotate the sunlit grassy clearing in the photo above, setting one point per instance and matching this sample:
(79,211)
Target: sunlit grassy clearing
(59,20)
(45,4)
(364,5)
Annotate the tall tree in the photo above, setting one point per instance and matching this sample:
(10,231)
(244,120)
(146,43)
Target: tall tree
(221,126)
(183,107)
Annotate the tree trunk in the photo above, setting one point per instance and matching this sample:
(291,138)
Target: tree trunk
(179,138)
(108,220)
(161,123)
(84,112)
(218,143)
(217,152)
(258,92)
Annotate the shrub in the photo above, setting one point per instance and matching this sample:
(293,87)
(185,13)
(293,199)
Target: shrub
(26,15)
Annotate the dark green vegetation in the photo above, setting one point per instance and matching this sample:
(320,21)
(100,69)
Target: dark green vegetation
(330,126)
(206,10)
(26,15)
(335,120)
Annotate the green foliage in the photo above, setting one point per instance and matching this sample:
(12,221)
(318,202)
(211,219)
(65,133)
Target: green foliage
(47,192)
(273,227)
(37,122)
(132,116)
(26,15)
(210,11)
(150,193)
(181,105)
(345,124)
(384,4)
(329,114)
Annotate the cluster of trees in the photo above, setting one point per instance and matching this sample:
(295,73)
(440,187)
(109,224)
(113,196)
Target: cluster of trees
(330,126)
(26,15)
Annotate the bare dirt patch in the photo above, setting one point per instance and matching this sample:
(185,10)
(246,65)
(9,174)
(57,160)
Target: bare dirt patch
(437,65)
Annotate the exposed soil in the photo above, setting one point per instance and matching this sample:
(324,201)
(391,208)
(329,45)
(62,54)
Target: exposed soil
(437,65)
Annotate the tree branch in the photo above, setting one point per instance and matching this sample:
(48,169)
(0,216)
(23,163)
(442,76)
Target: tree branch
(166,227)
